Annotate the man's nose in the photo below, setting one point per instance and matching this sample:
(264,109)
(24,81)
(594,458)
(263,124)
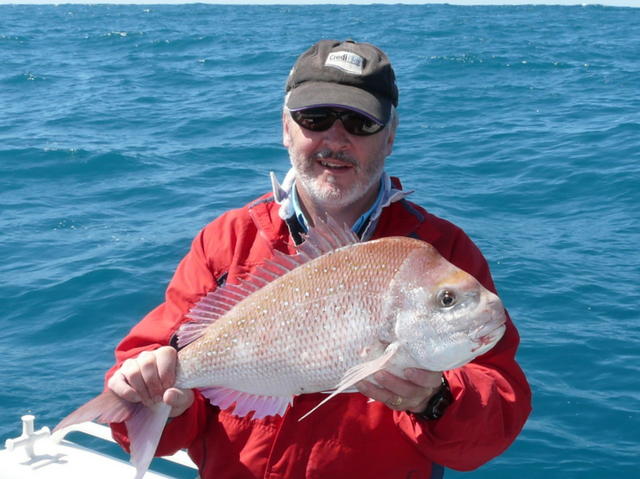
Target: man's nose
(337,133)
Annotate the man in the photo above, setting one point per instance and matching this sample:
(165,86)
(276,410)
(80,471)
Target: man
(339,125)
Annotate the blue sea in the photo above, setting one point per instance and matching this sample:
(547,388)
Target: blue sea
(125,129)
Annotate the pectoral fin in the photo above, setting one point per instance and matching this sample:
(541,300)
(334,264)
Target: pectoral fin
(358,373)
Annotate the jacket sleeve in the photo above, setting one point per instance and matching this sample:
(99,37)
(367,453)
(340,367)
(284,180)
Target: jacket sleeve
(194,277)
(492,398)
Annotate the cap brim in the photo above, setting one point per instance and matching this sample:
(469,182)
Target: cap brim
(311,94)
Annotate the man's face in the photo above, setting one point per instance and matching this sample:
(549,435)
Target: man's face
(335,168)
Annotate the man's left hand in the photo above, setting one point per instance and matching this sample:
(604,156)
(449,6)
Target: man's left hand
(410,394)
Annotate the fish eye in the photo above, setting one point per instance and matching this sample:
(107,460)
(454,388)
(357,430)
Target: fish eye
(446,298)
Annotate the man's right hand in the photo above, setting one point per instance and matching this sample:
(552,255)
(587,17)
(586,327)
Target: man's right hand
(149,378)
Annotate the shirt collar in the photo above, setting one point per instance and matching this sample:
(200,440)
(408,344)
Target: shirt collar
(299,214)
(286,196)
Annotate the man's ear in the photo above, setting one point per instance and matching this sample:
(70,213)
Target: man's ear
(388,144)
(286,136)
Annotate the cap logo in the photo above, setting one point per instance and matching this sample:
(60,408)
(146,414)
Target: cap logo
(345,61)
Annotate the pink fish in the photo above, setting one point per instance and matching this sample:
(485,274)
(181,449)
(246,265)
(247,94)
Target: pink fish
(321,320)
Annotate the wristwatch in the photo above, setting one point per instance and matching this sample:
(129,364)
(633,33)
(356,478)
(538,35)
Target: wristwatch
(438,403)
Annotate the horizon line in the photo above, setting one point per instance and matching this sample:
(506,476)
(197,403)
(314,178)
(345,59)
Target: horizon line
(582,3)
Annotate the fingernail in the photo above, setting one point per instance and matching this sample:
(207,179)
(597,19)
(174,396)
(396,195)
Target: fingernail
(380,375)
(363,385)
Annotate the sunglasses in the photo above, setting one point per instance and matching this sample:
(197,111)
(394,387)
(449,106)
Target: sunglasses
(321,119)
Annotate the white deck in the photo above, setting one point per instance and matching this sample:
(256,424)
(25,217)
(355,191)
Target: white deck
(40,455)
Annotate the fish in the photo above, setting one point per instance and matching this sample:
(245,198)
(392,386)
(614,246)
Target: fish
(331,315)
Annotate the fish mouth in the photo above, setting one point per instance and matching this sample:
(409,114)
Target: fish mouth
(489,334)
(491,330)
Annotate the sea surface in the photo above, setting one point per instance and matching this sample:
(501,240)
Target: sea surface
(125,129)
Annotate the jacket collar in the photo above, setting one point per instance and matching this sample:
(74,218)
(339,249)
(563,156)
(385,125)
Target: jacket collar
(396,216)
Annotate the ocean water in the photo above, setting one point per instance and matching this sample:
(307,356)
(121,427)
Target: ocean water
(125,129)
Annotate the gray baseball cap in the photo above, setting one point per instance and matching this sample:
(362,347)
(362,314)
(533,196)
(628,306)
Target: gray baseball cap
(346,74)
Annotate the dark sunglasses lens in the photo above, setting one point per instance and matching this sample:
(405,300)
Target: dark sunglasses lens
(314,119)
(321,119)
(360,125)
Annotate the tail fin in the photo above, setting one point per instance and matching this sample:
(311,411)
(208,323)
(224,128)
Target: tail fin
(144,425)
(107,407)
(145,428)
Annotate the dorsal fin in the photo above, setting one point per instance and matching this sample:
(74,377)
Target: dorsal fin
(323,238)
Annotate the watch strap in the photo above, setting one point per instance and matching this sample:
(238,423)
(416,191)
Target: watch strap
(438,403)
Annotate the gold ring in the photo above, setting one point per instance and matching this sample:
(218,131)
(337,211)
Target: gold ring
(396,402)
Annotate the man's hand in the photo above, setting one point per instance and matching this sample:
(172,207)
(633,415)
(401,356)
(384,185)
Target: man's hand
(411,394)
(149,377)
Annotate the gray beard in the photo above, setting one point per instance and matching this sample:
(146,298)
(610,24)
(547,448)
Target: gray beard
(335,197)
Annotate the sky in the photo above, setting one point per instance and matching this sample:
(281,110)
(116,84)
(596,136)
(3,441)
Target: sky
(619,3)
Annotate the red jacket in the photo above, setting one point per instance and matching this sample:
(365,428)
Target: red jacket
(348,436)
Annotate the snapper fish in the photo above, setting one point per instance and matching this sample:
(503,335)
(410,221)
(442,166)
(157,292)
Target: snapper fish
(318,321)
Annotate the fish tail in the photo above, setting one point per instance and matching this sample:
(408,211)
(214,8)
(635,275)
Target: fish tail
(145,428)
(107,407)
(144,424)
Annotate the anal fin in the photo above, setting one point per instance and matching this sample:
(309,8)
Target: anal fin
(245,403)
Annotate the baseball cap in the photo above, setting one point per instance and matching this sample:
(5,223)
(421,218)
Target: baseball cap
(346,74)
